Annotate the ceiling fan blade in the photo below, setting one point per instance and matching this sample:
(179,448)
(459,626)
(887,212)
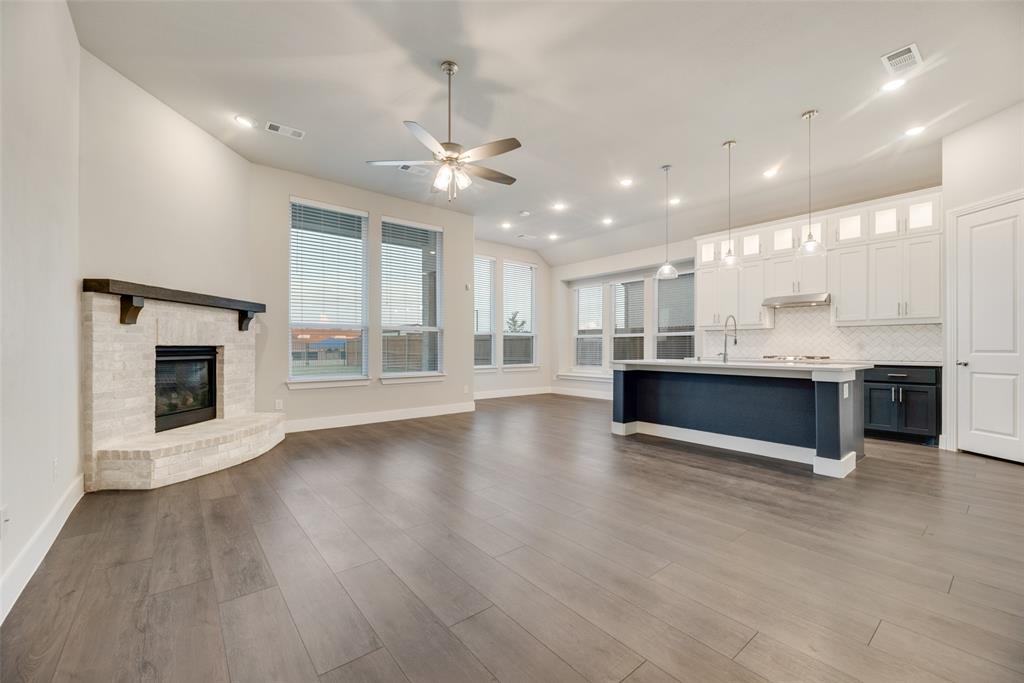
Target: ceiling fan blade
(428,140)
(491,149)
(488,174)
(424,162)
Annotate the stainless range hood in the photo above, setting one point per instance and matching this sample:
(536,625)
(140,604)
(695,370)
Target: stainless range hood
(798,300)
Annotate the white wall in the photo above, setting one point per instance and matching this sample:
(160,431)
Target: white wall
(162,201)
(984,160)
(509,381)
(39,247)
(324,407)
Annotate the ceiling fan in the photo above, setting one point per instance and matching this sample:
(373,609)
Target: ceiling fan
(456,165)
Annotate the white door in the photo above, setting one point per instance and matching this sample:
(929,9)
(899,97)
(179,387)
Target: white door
(922,277)
(751,294)
(728,293)
(990,331)
(780,278)
(885,281)
(705,281)
(848,269)
(812,275)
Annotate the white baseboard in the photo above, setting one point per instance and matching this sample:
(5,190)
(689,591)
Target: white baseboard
(604,395)
(505,393)
(27,561)
(829,467)
(332,421)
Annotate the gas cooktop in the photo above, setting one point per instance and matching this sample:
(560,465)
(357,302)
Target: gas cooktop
(795,358)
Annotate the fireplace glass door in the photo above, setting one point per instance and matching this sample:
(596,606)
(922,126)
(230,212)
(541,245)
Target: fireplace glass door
(186,385)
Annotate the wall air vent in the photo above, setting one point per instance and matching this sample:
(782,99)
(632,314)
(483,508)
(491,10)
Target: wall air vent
(286,131)
(901,61)
(415,170)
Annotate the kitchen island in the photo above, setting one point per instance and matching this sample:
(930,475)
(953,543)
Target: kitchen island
(808,412)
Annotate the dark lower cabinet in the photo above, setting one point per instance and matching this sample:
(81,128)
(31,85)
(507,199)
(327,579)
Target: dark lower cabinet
(903,402)
(880,411)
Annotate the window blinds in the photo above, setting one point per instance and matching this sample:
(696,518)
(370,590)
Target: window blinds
(517,314)
(629,307)
(675,304)
(327,264)
(327,293)
(483,311)
(410,298)
(588,310)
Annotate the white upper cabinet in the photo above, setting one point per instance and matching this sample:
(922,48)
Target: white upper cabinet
(848,282)
(848,228)
(885,281)
(706,285)
(706,253)
(923,215)
(783,238)
(728,293)
(922,278)
(913,216)
(780,277)
(812,273)
(751,245)
(751,295)
(886,220)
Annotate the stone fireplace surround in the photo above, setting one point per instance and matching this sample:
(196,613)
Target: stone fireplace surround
(122,449)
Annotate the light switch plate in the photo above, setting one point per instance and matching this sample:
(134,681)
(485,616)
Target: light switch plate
(846,390)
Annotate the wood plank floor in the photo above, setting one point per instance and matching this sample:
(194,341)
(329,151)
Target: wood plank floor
(524,542)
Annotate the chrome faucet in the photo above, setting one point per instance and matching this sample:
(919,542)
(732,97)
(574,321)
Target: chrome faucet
(725,337)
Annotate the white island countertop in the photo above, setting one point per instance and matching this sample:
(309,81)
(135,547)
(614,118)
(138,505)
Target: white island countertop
(818,371)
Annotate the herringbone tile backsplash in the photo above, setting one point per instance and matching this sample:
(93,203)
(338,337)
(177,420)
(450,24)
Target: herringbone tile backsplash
(809,331)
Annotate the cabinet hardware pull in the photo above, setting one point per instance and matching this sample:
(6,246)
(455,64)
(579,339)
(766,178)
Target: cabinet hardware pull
(897,374)
(901,394)
(962,363)
(893,394)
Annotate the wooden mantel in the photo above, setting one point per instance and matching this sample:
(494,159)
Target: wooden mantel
(133,298)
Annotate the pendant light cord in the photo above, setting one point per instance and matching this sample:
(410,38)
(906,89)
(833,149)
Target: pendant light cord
(666,214)
(449,105)
(730,199)
(810,232)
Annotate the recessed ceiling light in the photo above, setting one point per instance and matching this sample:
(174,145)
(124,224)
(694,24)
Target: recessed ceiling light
(607,220)
(553,236)
(506,225)
(916,130)
(559,206)
(674,201)
(894,84)
(771,172)
(245,121)
(626,182)
(524,213)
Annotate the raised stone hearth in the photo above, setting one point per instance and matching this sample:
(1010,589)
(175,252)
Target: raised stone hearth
(122,448)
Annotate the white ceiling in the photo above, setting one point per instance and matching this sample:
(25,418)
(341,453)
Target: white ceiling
(594,90)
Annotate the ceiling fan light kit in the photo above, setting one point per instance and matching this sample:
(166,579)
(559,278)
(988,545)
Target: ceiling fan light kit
(456,165)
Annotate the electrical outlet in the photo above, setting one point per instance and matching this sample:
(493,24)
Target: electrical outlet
(279,404)
(846,390)
(4,519)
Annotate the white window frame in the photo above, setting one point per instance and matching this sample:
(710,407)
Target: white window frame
(611,319)
(501,334)
(363,378)
(495,332)
(425,375)
(656,332)
(603,367)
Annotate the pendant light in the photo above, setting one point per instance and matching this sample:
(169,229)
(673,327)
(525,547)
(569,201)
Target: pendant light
(667,270)
(810,244)
(729,260)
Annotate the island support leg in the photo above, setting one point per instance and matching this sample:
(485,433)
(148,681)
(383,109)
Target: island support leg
(839,426)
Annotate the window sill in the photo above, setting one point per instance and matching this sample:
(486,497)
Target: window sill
(485,369)
(520,368)
(414,377)
(584,376)
(327,383)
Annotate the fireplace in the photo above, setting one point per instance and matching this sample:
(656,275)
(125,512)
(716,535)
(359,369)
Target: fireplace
(186,385)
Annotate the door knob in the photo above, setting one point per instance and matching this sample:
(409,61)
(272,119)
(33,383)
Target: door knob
(962,363)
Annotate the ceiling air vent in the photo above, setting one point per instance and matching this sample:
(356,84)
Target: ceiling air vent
(415,170)
(286,131)
(903,60)
(526,237)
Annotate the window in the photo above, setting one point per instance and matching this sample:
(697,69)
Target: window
(410,292)
(518,325)
(589,332)
(327,293)
(675,318)
(483,311)
(628,339)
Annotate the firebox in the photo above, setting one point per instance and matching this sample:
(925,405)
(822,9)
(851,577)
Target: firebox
(186,385)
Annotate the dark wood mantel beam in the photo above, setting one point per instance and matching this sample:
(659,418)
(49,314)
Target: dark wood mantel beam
(133,299)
